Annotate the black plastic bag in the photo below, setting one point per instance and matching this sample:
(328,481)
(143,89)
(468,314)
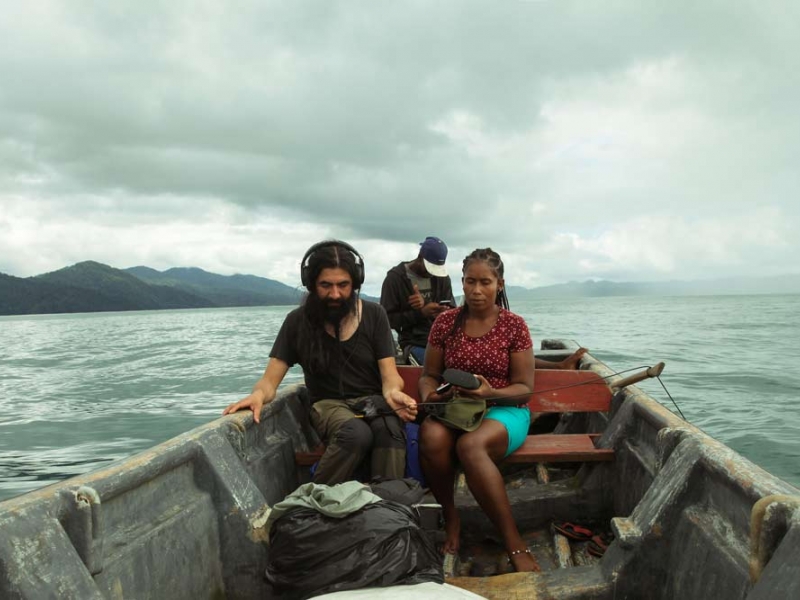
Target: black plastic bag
(406,491)
(380,545)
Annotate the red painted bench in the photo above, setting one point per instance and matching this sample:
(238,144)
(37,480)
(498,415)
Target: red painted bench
(588,393)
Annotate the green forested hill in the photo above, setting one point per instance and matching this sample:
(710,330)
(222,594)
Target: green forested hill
(20,296)
(91,287)
(123,289)
(223,290)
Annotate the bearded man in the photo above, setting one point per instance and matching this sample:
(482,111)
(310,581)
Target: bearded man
(344,345)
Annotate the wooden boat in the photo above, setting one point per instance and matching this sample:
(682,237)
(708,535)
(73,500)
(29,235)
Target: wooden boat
(690,517)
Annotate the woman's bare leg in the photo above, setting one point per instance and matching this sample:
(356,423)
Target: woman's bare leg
(478,453)
(437,457)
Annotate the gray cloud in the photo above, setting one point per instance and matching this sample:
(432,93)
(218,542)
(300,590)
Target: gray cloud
(624,141)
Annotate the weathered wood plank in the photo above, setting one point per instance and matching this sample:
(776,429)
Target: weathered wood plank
(575,447)
(588,392)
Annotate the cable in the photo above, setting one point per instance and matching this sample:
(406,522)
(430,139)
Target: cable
(591,381)
(673,400)
(340,344)
(528,394)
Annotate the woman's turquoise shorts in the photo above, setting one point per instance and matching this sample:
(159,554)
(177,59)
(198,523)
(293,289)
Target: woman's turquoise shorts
(515,420)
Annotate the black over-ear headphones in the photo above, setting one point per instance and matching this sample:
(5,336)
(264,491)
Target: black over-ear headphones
(305,274)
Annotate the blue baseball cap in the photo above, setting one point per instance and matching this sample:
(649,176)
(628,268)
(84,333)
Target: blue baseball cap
(434,253)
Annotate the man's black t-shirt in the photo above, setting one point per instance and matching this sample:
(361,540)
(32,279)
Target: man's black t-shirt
(353,365)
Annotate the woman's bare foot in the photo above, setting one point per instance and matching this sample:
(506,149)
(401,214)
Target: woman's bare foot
(452,529)
(523,561)
(571,362)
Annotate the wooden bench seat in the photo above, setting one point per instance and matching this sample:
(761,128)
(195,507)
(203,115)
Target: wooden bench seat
(555,391)
(570,447)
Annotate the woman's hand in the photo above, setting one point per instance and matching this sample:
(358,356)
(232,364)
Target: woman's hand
(403,404)
(440,397)
(485,390)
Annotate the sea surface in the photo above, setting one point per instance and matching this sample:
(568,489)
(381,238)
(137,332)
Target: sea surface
(79,391)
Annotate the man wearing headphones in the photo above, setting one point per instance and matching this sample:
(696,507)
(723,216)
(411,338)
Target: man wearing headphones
(344,345)
(414,293)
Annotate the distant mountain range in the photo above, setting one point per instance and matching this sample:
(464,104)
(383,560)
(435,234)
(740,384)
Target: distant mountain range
(784,284)
(93,287)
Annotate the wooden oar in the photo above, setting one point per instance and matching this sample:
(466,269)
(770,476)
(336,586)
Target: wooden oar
(653,371)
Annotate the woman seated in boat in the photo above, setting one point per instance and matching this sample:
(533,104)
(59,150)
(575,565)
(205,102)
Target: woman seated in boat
(484,338)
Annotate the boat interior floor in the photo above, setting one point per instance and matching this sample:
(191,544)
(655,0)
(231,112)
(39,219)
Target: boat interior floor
(485,558)
(481,551)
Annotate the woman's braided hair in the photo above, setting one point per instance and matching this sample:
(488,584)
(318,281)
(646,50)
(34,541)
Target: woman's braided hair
(491,258)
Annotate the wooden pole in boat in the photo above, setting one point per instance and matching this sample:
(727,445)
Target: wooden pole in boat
(653,371)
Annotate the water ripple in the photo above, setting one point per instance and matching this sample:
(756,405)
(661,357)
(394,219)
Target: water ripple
(78,391)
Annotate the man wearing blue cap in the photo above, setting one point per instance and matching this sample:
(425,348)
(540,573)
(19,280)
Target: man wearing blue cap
(413,293)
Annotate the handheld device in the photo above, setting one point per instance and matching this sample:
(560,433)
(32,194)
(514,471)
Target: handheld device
(443,387)
(462,379)
(446,303)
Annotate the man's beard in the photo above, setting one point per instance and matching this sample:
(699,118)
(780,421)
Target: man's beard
(327,311)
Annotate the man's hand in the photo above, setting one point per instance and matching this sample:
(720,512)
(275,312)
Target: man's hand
(429,310)
(416,300)
(432,309)
(254,402)
(403,404)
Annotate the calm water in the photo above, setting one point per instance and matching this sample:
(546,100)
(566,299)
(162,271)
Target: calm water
(79,391)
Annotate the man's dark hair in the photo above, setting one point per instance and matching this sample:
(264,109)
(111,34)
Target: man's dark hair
(331,255)
(317,313)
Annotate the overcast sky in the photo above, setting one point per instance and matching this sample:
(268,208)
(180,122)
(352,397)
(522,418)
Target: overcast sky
(624,140)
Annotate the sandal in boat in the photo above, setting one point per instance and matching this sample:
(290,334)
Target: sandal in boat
(598,545)
(573,532)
